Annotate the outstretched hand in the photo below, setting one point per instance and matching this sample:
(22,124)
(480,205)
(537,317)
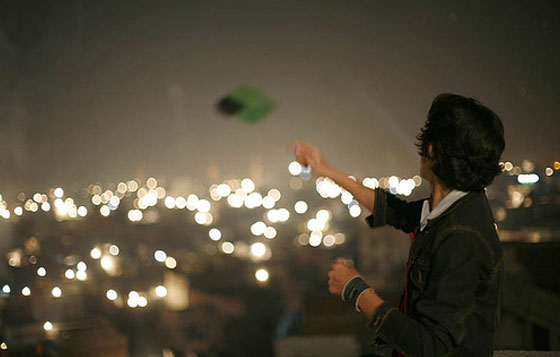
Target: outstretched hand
(308,155)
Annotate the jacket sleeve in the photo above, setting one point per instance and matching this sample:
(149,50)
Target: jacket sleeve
(390,210)
(446,302)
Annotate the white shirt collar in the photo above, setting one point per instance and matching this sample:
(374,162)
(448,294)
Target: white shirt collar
(442,206)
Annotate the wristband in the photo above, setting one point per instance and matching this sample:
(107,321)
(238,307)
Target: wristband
(353,289)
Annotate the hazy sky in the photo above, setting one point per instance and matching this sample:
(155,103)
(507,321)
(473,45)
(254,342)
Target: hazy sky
(97,91)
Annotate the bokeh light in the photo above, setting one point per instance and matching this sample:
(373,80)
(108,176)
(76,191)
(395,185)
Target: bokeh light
(95,253)
(258,249)
(161,291)
(300,207)
(262,275)
(227,247)
(41,271)
(112,295)
(215,234)
(56,292)
(160,255)
(294,168)
(170,263)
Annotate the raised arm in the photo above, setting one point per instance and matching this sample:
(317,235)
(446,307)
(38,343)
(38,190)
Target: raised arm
(307,154)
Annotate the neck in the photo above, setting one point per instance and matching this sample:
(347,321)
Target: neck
(438,191)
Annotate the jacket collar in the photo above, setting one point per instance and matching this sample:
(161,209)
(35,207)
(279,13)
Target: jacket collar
(447,205)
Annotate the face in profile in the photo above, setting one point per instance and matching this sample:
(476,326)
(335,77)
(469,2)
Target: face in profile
(426,165)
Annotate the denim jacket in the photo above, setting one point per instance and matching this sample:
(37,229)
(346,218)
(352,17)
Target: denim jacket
(454,277)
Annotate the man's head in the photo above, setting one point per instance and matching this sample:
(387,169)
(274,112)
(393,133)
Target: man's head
(463,141)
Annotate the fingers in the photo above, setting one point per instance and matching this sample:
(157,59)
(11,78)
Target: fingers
(292,147)
(299,147)
(344,261)
(301,159)
(296,146)
(333,286)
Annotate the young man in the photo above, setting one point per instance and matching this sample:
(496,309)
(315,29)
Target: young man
(450,304)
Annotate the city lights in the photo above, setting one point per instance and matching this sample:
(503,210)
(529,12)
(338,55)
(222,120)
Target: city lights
(355,211)
(105,211)
(322,213)
(161,291)
(56,292)
(294,168)
(270,232)
(70,274)
(329,240)
(169,202)
(258,228)
(203,218)
(58,192)
(283,215)
(303,239)
(48,326)
(180,202)
(95,253)
(112,295)
(203,206)
(114,250)
(528,178)
(262,275)
(227,247)
(135,215)
(300,207)
(372,183)
(235,200)
(81,266)
(133,299)
(223,190)
(268,202)
(82,211)
(316,225)
(258,249)
(275,194)
(315,238)
(107,263)
(339,238)
(346,197)
(192,201)
(215,234)
(142,301)
(151,183)
(170,263)
(247,185)
(160,255)
(273,215)
(253,200)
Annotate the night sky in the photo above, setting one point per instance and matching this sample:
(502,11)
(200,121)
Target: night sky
(103,91)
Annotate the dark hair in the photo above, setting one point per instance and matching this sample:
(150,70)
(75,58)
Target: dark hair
(467,140)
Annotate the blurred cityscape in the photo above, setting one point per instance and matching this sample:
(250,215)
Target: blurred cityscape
(236,267)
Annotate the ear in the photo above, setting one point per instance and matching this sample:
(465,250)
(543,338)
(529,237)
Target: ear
(430,150)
